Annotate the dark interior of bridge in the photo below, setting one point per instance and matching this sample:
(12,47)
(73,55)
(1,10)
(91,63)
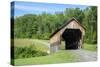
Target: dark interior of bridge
(72,38)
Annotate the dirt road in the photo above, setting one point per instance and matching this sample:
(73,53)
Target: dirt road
(85,55)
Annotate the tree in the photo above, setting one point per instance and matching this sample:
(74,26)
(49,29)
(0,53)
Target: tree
(40,26)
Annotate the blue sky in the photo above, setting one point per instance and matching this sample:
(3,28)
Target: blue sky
(21,8)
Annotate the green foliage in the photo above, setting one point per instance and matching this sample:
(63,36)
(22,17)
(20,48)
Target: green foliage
(26,48)
(90,23)
(27,52)
(40,26)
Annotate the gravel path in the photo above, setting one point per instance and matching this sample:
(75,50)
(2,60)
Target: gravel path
(85,55)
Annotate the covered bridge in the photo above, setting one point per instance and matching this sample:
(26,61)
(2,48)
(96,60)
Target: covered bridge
(72,32)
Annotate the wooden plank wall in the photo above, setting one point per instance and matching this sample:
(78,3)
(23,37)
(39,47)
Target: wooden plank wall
(55,40)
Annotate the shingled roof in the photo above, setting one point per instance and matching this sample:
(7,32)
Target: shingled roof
(66,23)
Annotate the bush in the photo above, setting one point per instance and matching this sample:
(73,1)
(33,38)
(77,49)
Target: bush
(27,52)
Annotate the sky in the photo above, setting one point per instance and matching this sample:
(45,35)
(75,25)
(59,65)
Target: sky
(21,8)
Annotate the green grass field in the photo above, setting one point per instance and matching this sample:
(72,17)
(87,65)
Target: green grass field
(62,56)
(90,47)
(31,42)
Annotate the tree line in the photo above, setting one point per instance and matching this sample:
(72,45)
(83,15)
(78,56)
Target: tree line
(41,26)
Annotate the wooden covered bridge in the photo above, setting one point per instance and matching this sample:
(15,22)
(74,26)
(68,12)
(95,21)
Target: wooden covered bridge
(72,32)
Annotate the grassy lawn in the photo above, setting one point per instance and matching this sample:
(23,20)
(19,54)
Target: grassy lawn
(62,56)
(30,42)
(90,47)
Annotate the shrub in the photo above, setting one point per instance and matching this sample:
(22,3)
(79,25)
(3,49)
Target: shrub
(26,52)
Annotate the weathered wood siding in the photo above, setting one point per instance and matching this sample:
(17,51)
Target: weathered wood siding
(55,40)
(73,25)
